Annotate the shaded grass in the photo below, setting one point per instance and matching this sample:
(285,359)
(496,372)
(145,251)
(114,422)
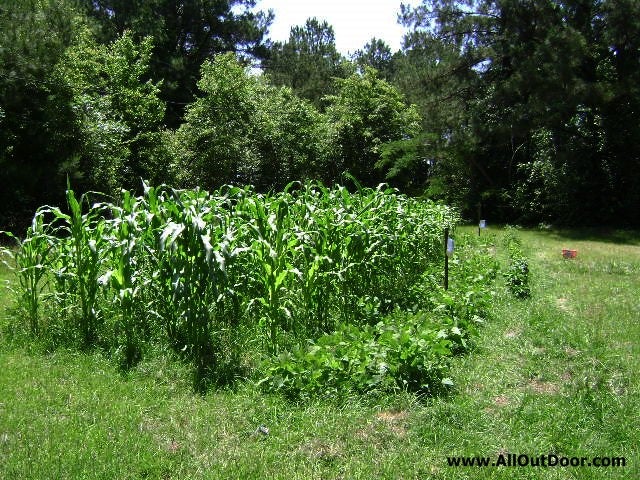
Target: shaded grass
(5,275)
(6,301)
(621,237)
(557,373)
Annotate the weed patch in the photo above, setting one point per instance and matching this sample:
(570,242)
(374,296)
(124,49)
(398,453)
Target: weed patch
(517,274)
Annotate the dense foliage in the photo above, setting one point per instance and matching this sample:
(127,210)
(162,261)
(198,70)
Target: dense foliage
(243,130)
(308,62)
(217,275)
(115,115)
(36,117)
(517,274)
(185,34)
(538,101)
(406,350)
(368,113)
(526,109)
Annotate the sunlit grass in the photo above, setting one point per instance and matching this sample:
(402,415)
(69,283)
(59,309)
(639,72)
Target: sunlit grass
(556,373)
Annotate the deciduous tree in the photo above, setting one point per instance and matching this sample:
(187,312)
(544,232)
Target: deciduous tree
(368,112)
(243,130)
(185,34)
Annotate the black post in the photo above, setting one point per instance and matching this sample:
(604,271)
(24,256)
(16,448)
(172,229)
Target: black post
(479,215)
(446,259)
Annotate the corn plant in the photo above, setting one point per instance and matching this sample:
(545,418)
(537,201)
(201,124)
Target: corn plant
(313,266)
(82,250)
(196,247)
(31,259)
(272,246)
(124,235)
(211,273)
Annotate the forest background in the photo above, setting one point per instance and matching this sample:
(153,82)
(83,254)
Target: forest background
(526,109)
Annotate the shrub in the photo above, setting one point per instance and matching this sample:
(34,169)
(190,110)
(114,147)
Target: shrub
(517,274)
(243,130)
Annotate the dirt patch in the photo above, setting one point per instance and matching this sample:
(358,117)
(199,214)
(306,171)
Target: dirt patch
(320,450)
(392,416)
(548,388)
(395,421)
(571,352)
(618,385)
(502,452)
(501,401)
(173,446)
(387,426)
(563,305)
(511,333)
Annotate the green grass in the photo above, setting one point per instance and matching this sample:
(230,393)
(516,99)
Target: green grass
(557,373)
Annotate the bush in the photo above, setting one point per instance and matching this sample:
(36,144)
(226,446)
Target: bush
(517,274)
(405,352)
(243,130)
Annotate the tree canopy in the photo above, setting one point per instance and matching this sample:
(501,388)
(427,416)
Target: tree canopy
(307,62)
(533,87)
(528,108)
(243,130)
(185,34)
(35,115)
(369,112)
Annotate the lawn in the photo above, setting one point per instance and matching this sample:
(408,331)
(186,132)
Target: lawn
(553,374)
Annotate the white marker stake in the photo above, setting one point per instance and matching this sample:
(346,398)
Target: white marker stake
(450,246)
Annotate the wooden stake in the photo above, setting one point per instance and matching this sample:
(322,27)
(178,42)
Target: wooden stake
(446,259)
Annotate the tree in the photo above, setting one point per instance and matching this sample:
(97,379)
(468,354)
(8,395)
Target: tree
(308,62)
(243,130)
(216,133)
(368,112)
(185,34)
(294,139)
(70,107)
(35,119)
(541,107)
(375,54)
(619,119)
(435,76)
(117,115)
